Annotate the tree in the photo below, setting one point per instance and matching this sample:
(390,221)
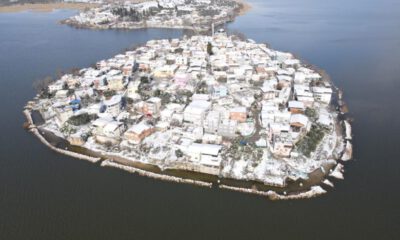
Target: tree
(209,48)
(311,113)
(78,120)
(42,84)
(108,144)
(157,93)
(109,93)
(178,153)
(144,79)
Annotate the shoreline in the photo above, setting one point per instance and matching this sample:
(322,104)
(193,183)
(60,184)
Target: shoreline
(44,7)
(246,7)
(109,160)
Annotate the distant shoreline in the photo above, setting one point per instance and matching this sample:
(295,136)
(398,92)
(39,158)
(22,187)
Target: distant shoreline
(49,7)
(44,7)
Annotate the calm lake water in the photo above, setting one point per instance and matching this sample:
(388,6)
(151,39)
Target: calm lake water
(44,195)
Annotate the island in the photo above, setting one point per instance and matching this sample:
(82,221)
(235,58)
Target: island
(197,15)
(211,110)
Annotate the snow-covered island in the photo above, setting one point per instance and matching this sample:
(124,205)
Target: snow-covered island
(218,106)
(180,14)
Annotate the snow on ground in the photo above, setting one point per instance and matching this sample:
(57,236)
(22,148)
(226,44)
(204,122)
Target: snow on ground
(327,182)
(348,130)
(348,153)
(239,169)
(246,129)
(337,172)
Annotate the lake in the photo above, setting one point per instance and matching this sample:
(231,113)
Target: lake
(45,195)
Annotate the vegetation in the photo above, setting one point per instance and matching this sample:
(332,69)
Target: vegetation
(209,48)
(109,93)
(67,129)
(311,113)
(178,153)
(144,79)
(133,14)
(310,142)
(80,119)
(42,84)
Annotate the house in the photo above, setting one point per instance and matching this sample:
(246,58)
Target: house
(181,61)
(138,132)
(262,72)
(211,139)
(106,130)
(211,123)
(296,107)
(61,94)
(181,79)
(244,97)
(113,105)
(63,114)
(207,155)
(303,94)
(281,145)
(127,70)
(132,90)
(239,114)
(219,91)
(152,106)
(277,128)
(113,129)
(116,83)
(71,81)
(166,115)
(165,71)
(291,63)
(76,139)
(59,85)
(322,94)
(298,121)
(227,128)
(299,77)
(195,112)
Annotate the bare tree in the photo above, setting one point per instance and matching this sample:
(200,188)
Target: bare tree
(41,84)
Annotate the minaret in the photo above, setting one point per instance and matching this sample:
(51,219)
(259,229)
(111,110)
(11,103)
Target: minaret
(212,29)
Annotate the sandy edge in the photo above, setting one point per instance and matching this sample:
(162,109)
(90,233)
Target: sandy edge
(44,7)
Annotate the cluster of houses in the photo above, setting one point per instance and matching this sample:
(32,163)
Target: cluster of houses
(187,100)
(187,14)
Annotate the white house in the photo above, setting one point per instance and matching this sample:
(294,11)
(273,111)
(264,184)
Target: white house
(195,112)
(113,105)
(322,94)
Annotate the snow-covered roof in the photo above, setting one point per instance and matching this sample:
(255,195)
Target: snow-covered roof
(116,99)
(299,118)
(207,149)
(139,128)
(296,104)
(239,110)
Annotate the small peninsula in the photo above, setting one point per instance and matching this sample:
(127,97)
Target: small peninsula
(207,110)
(197,15)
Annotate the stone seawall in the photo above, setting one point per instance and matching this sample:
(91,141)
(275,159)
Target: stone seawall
(35,132)
(313,192)
(108,163)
